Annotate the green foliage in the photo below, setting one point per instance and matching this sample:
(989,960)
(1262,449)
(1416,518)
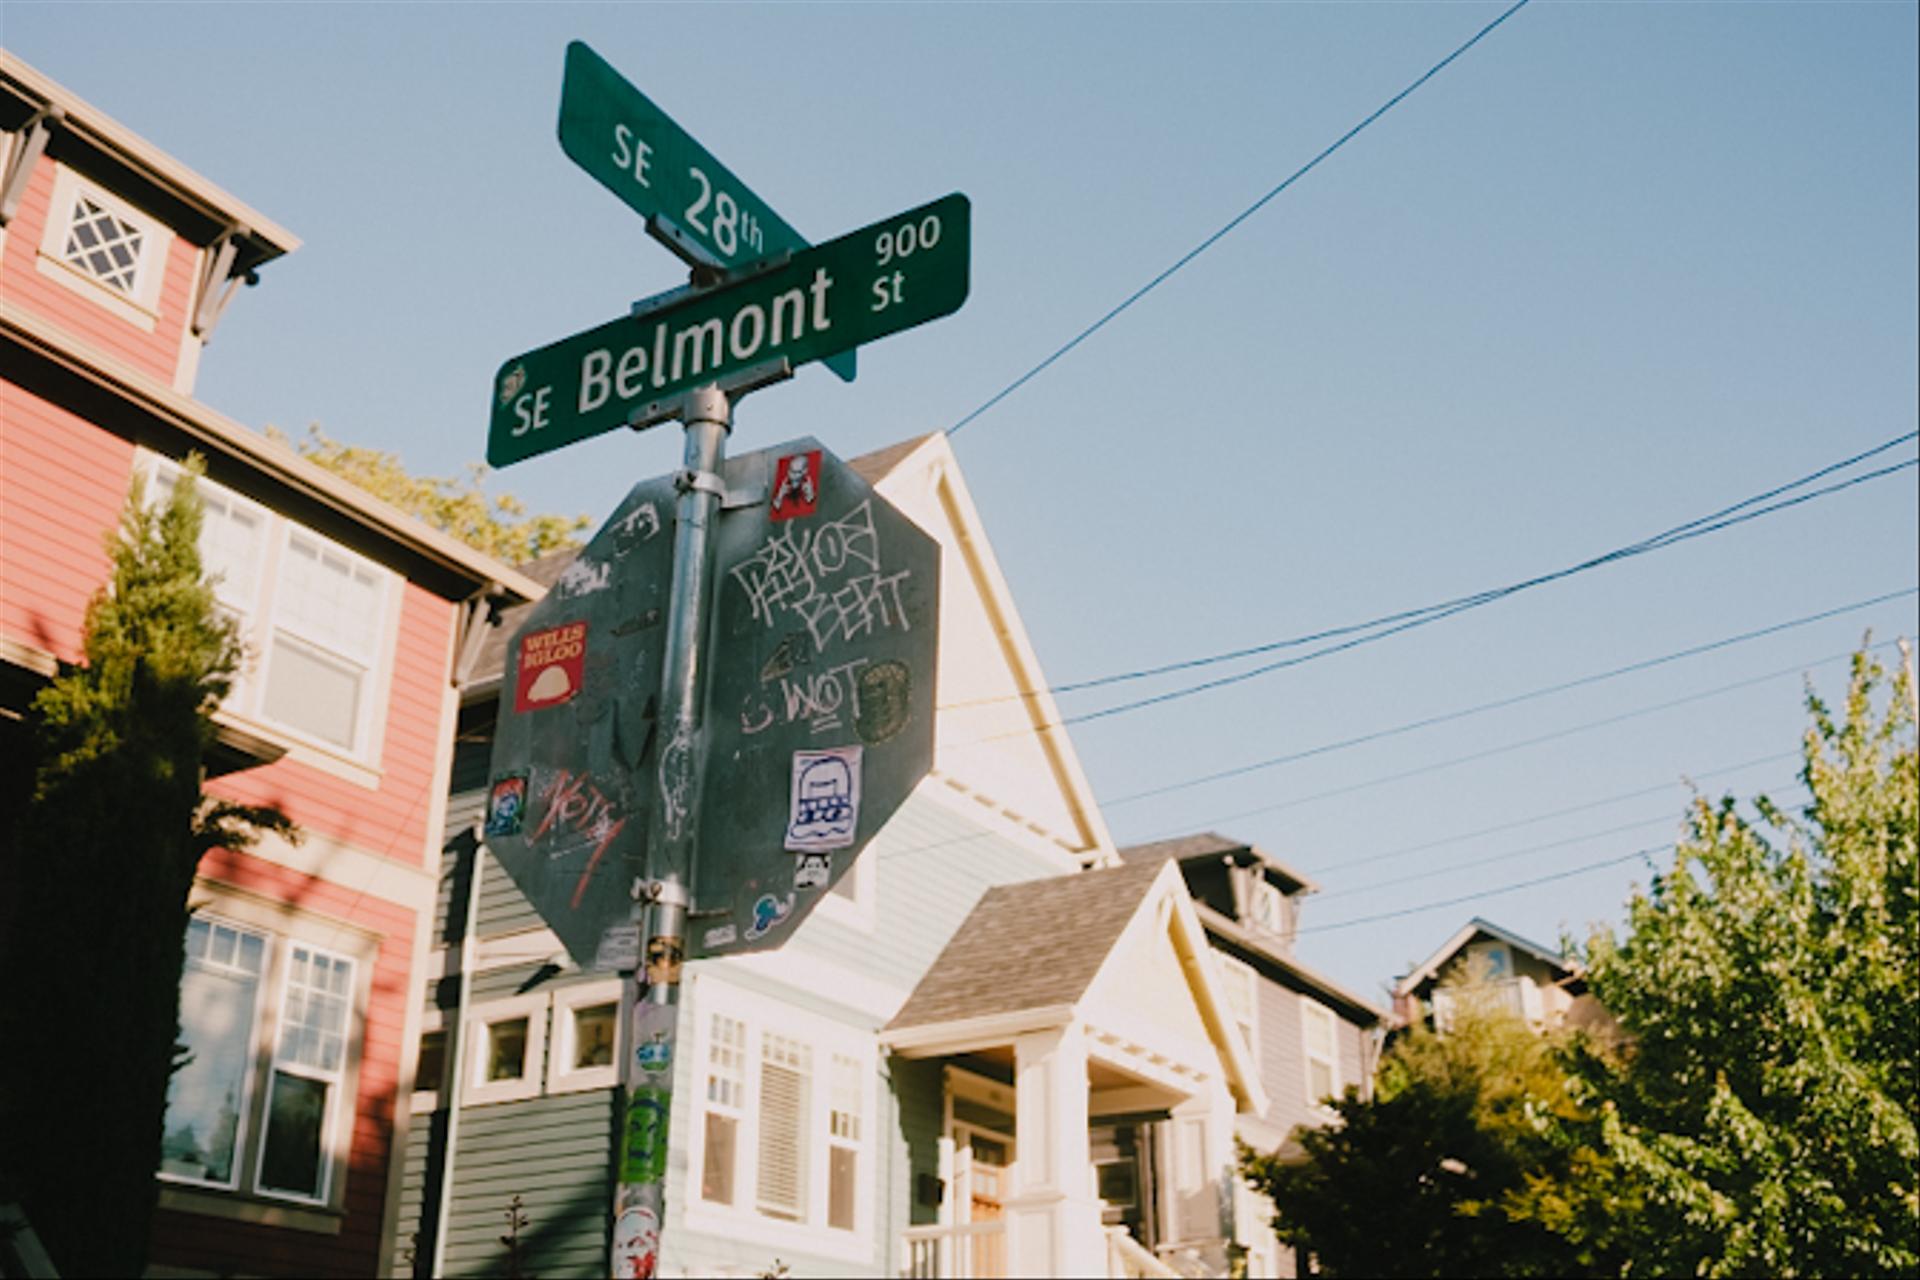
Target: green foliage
(498,526)
(1436,1175)
(102,859)
(1764,1106)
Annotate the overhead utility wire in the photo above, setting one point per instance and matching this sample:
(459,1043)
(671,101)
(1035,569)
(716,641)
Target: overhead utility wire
(1511,700)
(1239,218)
(1450,868)
(1367,784)
(1409,850)
(1648,853)
(1663,541)
(1432,612)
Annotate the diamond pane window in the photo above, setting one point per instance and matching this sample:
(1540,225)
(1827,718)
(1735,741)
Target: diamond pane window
(103,246)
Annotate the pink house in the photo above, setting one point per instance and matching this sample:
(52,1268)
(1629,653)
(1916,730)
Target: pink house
(116,263)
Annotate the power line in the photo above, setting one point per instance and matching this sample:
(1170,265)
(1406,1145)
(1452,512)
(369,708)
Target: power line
(1476,602)
(1454,867)
(1471,757)
(1486,893)
(1567,811)
(1648,543)
(1239,218)
(1500,703)
(1725,517)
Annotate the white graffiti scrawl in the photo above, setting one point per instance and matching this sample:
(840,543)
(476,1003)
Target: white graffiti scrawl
(829,577)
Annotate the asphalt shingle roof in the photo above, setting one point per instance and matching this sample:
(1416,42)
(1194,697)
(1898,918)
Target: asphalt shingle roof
(1029,946)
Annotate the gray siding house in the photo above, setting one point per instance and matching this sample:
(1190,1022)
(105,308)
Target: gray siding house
(1309,1038)
(829,1115)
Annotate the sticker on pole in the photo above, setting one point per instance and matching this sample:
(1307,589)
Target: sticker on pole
(824,806)
(551,664)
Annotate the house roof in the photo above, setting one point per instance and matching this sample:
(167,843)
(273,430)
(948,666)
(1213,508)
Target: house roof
(84,135)
(1431,966)
(1293,972)
(278,463)
(1037,944)
(1211,844)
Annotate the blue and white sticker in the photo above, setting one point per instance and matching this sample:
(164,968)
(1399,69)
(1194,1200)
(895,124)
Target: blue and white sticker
(824,805)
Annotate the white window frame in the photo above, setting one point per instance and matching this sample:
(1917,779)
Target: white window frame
(141,307)
(1265,892)
(708,994)
(478,1090)
(260,620)
(422,1100)
(1235,972)
(335,1080)
(249,1081)
(1309,1010)
(285,926)
(567,1001)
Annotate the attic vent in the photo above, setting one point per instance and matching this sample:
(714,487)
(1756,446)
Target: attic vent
(103,245)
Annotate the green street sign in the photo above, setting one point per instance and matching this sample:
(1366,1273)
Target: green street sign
(635,150)
(893,275)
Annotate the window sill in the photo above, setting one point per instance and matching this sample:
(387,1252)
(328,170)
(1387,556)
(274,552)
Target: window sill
(258,737)
(240,1208)
(756,1228)
(86,286)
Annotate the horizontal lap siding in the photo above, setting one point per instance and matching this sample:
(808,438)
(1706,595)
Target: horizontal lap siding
(555,1153)
(391,818)
(188,1240)
(157,352)
(63,483)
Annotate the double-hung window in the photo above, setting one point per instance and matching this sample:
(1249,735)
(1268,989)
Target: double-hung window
(1319,1035)
(256,1107)
(1242,991)
(313,615)
(783,1141)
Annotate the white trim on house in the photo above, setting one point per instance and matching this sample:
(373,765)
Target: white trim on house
(138,305)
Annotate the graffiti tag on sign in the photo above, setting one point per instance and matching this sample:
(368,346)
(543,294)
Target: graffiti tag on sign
(551,663)
(796,486)
(830,578)
(575,805)
(768,911)
(643,1138)
(812,870)
(824,803)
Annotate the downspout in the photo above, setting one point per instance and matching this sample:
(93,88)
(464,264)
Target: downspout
(457,1068)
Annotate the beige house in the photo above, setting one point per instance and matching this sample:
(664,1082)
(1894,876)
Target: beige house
(1540,984)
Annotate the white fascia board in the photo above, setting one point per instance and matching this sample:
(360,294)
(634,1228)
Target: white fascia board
(266,456)
(937,1039)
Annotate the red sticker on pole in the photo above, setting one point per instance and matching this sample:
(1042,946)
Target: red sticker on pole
(551,664)
(796,486)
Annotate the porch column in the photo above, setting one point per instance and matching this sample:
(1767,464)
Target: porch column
(1053,1217)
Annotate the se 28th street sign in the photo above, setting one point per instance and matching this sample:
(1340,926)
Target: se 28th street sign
(879,280)
(818,719)
(691,201)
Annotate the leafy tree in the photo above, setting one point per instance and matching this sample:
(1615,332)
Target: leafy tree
(1764,1107)
(499,526)
(1435,1176)
(101,861)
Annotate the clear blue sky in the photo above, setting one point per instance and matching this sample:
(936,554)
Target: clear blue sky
(1619,266)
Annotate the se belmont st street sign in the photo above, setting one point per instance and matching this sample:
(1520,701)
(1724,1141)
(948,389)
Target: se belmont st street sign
(891,276)
(692,202)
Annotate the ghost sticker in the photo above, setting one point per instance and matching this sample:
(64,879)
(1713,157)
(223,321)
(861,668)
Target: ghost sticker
(824,805)
(636,1243)
(768,911)
(796,486)
(506,805)
(812,871)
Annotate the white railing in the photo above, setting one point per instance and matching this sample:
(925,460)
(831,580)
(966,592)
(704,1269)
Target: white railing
(963,1251)
(1128,1259)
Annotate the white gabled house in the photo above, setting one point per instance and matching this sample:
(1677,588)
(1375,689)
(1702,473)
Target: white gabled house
(989,1032)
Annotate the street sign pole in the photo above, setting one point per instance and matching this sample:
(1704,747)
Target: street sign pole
(651,1006)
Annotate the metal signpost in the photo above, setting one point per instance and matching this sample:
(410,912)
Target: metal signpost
(630,786)
(692,203)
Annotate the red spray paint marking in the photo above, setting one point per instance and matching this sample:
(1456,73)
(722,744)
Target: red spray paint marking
(590,814)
